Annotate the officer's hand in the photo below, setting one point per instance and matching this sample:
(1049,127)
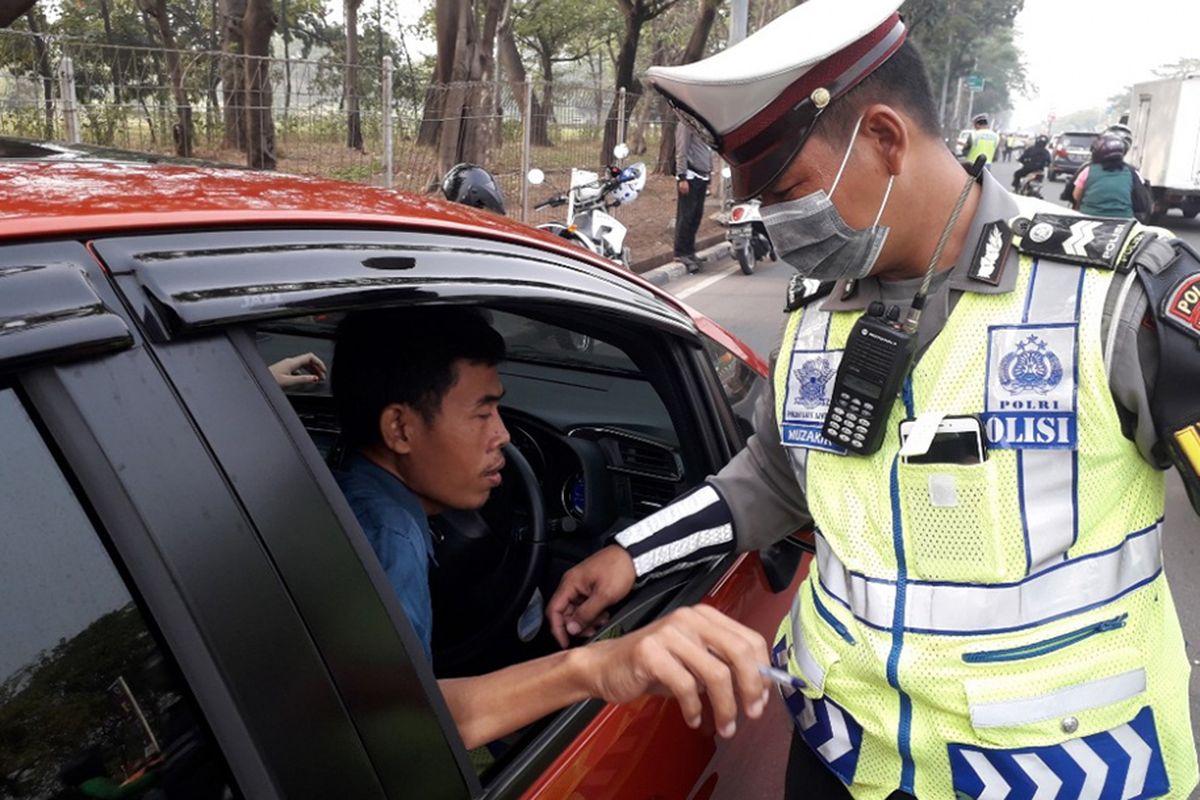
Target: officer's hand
(293,371)
(684,186)
(588,588)
(691,652)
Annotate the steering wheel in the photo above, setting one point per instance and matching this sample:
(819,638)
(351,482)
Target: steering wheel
(484,579)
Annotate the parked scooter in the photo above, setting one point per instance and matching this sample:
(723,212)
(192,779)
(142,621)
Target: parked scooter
(588,199)
(1031,185)
(747,234)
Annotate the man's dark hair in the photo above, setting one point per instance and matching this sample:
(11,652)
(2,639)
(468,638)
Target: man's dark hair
(901,82)
(404,356)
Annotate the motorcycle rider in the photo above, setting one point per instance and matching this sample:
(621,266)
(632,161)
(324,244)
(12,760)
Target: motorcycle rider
(1035,158)
(1108,187)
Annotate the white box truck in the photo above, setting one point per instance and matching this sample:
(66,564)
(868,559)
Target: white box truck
(1165,119)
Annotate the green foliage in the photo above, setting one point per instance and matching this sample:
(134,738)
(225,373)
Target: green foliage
(1179,69)
(60,704)
(957,37)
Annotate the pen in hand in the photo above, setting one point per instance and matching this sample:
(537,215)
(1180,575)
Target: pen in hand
(780,677)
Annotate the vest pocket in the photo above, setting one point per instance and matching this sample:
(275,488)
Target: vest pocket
(1064,699)
(1045,646)
(951,522)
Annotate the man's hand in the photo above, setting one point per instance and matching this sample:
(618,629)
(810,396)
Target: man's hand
(684,187)
(297,370)
(586,590)
(691,652)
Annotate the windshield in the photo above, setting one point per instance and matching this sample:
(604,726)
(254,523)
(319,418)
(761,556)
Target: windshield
(1078,140)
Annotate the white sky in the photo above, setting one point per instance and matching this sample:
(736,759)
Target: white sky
(1080,52)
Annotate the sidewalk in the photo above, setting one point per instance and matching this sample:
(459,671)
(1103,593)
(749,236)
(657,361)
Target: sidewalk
(709,251)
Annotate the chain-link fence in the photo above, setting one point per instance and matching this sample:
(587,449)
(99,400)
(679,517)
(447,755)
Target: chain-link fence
(327,118)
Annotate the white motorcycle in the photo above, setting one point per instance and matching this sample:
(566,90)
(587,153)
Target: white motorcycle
(747,234)
(588,199)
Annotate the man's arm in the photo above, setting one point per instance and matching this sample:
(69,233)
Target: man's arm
(691,652)
(751,503)
(681,148)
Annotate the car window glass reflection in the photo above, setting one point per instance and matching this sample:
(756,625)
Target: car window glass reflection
(89,707)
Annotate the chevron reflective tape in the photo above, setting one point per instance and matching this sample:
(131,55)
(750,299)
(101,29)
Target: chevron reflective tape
(1124,763)
(829,730)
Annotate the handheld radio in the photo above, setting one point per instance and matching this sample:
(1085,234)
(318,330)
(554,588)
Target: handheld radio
(878,356)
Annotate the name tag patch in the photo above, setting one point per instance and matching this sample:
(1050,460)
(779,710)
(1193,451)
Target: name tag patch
(1030,400)
(806,402)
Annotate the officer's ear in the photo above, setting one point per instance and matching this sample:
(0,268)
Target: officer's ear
(889,133)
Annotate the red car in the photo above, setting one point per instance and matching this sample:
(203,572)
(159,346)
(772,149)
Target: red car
(188,607)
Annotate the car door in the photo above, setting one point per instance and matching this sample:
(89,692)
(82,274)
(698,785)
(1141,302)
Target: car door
(190,293)
(148,639)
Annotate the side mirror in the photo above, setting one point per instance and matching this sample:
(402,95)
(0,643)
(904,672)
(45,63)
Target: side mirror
(536,177)
(621,151)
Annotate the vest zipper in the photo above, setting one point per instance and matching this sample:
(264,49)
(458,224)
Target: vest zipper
(833,621)
(1046,646)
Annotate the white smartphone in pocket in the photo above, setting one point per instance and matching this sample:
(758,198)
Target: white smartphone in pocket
(958,440)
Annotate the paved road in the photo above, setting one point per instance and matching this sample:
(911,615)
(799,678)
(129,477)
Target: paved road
(751,306)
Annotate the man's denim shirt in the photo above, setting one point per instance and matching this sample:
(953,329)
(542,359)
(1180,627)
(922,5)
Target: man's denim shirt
(398,530)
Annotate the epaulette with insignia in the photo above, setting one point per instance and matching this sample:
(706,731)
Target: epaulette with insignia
(1091,241)
(802,291)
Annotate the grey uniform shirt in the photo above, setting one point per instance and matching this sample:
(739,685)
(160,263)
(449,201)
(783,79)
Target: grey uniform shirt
(765,493)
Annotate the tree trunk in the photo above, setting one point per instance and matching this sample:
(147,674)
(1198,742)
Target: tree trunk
(233,73)
(213,106)
(626,59)
(44,70)
(447,21)
(115,66)
(257,27)
(510,60)
(354,137)
(547,59)
(467,103)
(287,64)
(184,132)
(11,10)
(692,52)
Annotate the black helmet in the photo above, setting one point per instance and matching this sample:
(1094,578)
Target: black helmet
(472,185)
(1042,139)
(1122,130)
(980,119)
(1108,147)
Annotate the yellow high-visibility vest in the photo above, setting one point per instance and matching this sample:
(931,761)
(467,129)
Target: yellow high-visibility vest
(997,629)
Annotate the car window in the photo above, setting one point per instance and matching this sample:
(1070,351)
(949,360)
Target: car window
(89,703)
(737,378)
(1078,139)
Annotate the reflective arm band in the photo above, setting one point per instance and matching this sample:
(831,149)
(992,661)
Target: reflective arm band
(696,527)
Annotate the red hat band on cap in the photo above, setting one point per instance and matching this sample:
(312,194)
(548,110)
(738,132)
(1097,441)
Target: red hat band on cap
(762,147)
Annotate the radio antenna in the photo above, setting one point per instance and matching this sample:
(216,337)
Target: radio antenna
(918,303)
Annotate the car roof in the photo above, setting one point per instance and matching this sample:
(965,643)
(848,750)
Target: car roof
(54,190)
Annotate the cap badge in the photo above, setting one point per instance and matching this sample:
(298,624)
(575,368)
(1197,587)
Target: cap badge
(820,97)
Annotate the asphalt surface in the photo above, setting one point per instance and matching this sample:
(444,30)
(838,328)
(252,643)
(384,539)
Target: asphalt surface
(751,307)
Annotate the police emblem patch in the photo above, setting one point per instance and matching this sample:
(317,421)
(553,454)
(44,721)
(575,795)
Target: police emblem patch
(1030,396)
(1031,368)
(812,376)
(1181,306)
(806,402)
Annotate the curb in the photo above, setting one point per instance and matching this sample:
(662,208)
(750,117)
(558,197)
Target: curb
(661,276)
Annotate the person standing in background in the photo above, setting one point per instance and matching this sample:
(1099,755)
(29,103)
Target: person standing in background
(693,166)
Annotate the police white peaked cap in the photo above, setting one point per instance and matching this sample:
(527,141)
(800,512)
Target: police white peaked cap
(755,103)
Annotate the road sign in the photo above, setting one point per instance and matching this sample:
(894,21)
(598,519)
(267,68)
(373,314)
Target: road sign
(975,82)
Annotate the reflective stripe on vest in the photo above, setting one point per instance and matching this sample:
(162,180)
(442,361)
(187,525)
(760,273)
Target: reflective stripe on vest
(948,608)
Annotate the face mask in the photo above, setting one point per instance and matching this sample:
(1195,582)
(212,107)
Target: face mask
(809,234)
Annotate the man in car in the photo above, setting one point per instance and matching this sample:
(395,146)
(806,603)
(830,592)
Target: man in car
(418,395)
(986,613)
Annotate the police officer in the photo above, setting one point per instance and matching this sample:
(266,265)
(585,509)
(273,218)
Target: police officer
(982,141)
(986,615)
